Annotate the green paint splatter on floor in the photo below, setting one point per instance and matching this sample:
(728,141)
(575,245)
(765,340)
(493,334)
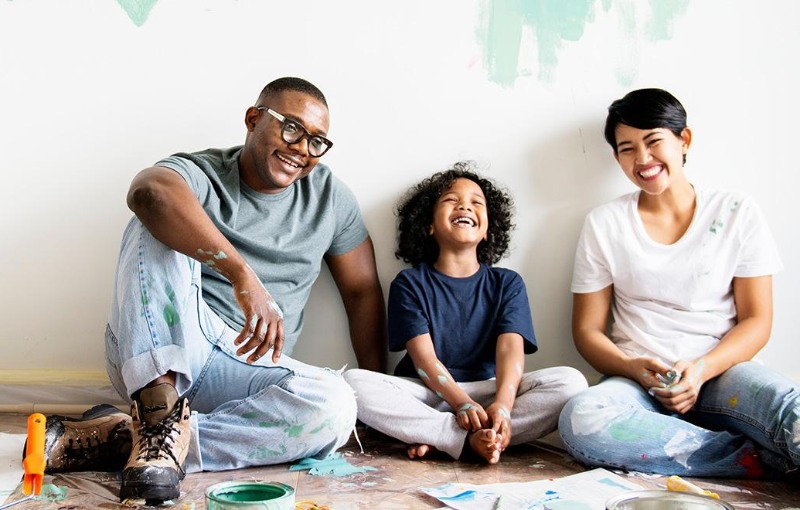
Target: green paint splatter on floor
(333,464)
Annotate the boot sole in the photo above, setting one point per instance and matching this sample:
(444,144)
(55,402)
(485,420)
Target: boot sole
(151,484)
(153,494)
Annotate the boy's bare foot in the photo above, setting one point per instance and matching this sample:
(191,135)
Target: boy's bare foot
(486,443)
(418,451)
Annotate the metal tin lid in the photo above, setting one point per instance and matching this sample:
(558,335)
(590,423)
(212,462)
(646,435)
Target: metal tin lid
(665,500)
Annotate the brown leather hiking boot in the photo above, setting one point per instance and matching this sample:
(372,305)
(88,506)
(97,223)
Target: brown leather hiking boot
(100,440)
(161,435)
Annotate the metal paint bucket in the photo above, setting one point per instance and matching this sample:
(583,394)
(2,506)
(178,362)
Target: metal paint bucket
(250,495)
(665,500)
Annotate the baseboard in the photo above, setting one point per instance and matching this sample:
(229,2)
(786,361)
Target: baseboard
(55,391)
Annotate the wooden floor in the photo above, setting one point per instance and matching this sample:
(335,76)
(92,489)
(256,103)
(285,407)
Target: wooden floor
(395,482)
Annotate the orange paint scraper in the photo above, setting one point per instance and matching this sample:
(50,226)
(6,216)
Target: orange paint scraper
(34,461)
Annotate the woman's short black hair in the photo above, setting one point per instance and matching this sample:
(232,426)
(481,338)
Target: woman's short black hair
(645,109)
(415,216)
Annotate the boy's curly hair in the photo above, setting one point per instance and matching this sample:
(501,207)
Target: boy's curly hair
(415,216)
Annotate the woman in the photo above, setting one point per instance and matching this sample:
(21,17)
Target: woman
(687,276)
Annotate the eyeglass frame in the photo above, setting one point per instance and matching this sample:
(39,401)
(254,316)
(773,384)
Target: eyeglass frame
(284,121)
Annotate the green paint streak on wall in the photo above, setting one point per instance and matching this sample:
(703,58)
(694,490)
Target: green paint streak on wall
(555,21)
(626,15)
(552,22)
(662,18)
(503,23)
(502,36)
(137,10)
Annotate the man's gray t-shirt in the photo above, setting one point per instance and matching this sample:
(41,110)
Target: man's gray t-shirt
(283,236)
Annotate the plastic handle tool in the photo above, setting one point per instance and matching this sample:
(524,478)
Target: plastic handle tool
(34,462)
(678,484)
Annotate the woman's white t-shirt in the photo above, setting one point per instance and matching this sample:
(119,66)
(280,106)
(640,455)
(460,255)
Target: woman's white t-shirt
(673,302)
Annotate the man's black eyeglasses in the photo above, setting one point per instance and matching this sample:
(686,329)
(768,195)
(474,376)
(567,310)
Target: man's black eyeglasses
(293,132)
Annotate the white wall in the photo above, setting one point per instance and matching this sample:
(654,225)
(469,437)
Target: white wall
(89,96)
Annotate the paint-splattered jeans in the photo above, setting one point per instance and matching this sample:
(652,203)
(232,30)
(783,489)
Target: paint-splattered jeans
(248,415)
(746,423)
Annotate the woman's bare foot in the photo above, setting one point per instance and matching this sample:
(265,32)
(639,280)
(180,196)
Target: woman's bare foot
(418,451)
(487,444)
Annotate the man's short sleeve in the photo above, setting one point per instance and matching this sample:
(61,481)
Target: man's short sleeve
(187,167)
(350,228)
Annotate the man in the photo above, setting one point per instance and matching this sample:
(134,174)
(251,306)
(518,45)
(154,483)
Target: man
(212,278)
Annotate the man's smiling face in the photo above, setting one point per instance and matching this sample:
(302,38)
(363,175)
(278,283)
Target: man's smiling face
(268,164)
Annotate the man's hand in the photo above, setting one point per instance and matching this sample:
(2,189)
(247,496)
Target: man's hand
(263,329)
(471,416)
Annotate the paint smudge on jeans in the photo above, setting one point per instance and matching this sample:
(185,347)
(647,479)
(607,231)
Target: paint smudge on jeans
(752,464)
(590,418)
(170,312)
(682,445)
(637,428)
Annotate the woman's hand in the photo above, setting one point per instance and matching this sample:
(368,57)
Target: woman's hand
(682,394)
(648,372)
(470,415)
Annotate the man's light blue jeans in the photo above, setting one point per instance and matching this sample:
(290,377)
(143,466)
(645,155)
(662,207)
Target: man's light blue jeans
(746,423)
(248,415)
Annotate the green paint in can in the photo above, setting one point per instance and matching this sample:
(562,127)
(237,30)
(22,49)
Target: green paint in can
(250,495)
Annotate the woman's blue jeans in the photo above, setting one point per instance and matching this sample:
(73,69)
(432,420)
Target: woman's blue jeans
(746,423)
(248,415)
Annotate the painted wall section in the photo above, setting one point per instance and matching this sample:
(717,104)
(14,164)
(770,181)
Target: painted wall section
(137,10)
(93,92)
(552,22)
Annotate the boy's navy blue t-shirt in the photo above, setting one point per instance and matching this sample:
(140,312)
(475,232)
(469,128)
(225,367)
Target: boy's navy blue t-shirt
(464,317)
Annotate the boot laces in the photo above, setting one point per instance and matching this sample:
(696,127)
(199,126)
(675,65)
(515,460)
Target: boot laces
(156,441)
(83,443)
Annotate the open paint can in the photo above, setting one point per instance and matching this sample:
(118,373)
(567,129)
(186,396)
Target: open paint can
(665,500)
(250,496)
